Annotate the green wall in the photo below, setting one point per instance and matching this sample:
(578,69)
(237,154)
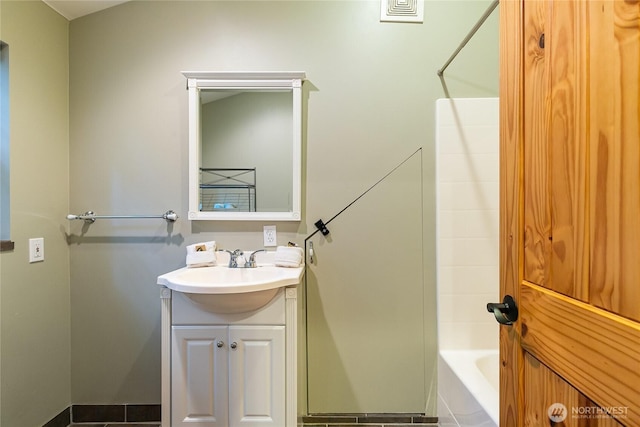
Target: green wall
(371,94)
(34,298)
(113,138)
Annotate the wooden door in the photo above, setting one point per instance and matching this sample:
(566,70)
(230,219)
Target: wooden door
(570,212)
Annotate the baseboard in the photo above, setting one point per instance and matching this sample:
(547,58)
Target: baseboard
(144,413)
(373,420)
(63,419)
(125,413)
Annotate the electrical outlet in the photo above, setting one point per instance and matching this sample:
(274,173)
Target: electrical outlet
(36,249)
(270,235)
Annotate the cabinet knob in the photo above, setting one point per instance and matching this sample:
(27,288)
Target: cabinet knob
(233,345)
(220,344)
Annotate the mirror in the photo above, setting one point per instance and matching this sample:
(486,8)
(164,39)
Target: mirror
(245,144)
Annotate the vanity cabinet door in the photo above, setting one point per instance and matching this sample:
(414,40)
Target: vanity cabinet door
(257,376)
(199,376)
(228,376)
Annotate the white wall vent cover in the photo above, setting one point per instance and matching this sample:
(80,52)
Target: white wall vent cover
(401,10)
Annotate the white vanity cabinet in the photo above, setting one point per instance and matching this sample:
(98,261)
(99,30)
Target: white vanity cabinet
(226,376)
(229,369)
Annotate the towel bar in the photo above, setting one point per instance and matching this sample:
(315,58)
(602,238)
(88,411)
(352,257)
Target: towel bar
(89,216)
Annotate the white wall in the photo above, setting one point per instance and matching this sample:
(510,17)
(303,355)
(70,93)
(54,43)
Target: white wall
(467,162)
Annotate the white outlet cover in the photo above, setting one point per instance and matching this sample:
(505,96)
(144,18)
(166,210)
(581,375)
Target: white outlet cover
(36,249)
(270,238)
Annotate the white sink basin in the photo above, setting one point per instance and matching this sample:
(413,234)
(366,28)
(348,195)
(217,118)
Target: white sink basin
(221,289)
(225,280)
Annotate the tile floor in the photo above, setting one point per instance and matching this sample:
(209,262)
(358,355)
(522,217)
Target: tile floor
(153,424)
(369,420)
(129,415)
(149,416)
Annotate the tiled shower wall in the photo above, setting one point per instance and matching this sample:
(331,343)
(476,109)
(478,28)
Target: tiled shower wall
(467,163)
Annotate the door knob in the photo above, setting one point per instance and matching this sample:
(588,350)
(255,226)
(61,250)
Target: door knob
(220,344)
(506,312)
(233,345)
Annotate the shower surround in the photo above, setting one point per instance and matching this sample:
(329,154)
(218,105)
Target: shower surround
(467,146)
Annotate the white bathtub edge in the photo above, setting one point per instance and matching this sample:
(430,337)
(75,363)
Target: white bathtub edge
(462,363)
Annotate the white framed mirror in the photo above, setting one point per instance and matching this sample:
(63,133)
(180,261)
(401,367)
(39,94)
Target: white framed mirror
(245,145)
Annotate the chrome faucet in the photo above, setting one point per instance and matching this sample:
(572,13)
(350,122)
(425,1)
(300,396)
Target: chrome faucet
(233,259)
(252,259)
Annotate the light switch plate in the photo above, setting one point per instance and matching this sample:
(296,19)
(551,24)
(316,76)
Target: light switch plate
(36,249)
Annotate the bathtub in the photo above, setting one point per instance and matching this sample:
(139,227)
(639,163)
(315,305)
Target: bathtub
(468,388)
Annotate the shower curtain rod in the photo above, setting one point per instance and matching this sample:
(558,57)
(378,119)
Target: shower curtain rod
(469,36)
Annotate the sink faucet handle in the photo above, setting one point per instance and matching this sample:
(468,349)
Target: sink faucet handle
(233,257)
(253,254)
(251,263)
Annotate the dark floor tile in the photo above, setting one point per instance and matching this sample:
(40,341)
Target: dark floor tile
(425,420)
(412,425)
(355,425)
(369,420)
(143,413)
(97,413)
(324,419)
(61,420)
(86,425)
(384,418)
(132,425)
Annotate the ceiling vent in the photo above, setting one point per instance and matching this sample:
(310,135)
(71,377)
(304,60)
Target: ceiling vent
(401,10)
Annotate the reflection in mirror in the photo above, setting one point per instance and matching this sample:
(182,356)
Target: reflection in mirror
(245,145)
(246,153)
